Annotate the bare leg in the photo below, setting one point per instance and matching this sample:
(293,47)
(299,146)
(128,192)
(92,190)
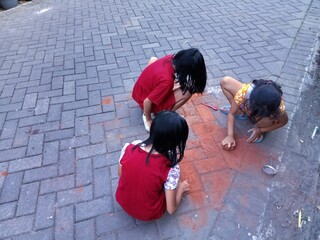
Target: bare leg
(152,60)
(230,87)
(181,98)
(267,124)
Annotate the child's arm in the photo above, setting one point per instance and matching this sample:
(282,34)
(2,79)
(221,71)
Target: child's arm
(147,106)
(173,197)
(229,142)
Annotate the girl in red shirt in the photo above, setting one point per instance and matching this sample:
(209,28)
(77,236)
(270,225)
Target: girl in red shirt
(149,171)
(169,82)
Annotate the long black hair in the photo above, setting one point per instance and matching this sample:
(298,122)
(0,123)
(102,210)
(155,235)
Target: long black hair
(168,136)
(191,70)
(265,99)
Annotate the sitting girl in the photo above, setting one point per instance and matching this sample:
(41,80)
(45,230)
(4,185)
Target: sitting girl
(260,100)
(149,171)
(169,82)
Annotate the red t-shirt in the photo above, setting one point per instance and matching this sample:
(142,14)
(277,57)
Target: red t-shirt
(156,83)
(140,189)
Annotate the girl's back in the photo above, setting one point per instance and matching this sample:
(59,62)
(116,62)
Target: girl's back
(140,191)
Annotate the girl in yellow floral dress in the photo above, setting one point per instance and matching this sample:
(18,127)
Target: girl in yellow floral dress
(261,101)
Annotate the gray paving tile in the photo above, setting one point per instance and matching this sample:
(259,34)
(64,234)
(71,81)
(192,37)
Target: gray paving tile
(11,188)
(16,226)
(64,223)
(28,199)
(45,213)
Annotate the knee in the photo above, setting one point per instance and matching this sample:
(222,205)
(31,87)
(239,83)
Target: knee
(284,118)
(225,81)
(153,59)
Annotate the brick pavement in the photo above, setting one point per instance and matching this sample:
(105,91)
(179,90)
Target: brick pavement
(67,69)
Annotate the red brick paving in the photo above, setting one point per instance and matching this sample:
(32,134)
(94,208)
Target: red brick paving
(210,170)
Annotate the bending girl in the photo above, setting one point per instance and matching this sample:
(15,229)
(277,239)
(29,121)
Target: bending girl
(169,82)
(260,100)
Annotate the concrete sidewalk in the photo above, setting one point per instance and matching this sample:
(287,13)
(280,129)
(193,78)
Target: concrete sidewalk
(67,69)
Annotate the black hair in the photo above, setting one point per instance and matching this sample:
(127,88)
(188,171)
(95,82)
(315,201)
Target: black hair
(168,136)
(191,70)
(265,99)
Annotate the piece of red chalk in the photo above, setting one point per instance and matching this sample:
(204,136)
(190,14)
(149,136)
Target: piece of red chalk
(215,108)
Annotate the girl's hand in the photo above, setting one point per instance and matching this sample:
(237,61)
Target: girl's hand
(256,133)
(173,197)
(184,186)
(228,143)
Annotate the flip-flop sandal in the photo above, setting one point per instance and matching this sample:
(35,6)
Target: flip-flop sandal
(260,139)
(226,109)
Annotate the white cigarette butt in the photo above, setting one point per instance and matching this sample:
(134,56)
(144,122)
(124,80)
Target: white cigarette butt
(314,132)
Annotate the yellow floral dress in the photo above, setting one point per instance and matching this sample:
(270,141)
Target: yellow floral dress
(243,95)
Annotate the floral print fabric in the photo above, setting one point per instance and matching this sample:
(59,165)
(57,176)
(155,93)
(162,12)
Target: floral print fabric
(243,95)
(173,178)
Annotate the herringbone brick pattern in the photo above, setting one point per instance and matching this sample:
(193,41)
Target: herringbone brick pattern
(67,69)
